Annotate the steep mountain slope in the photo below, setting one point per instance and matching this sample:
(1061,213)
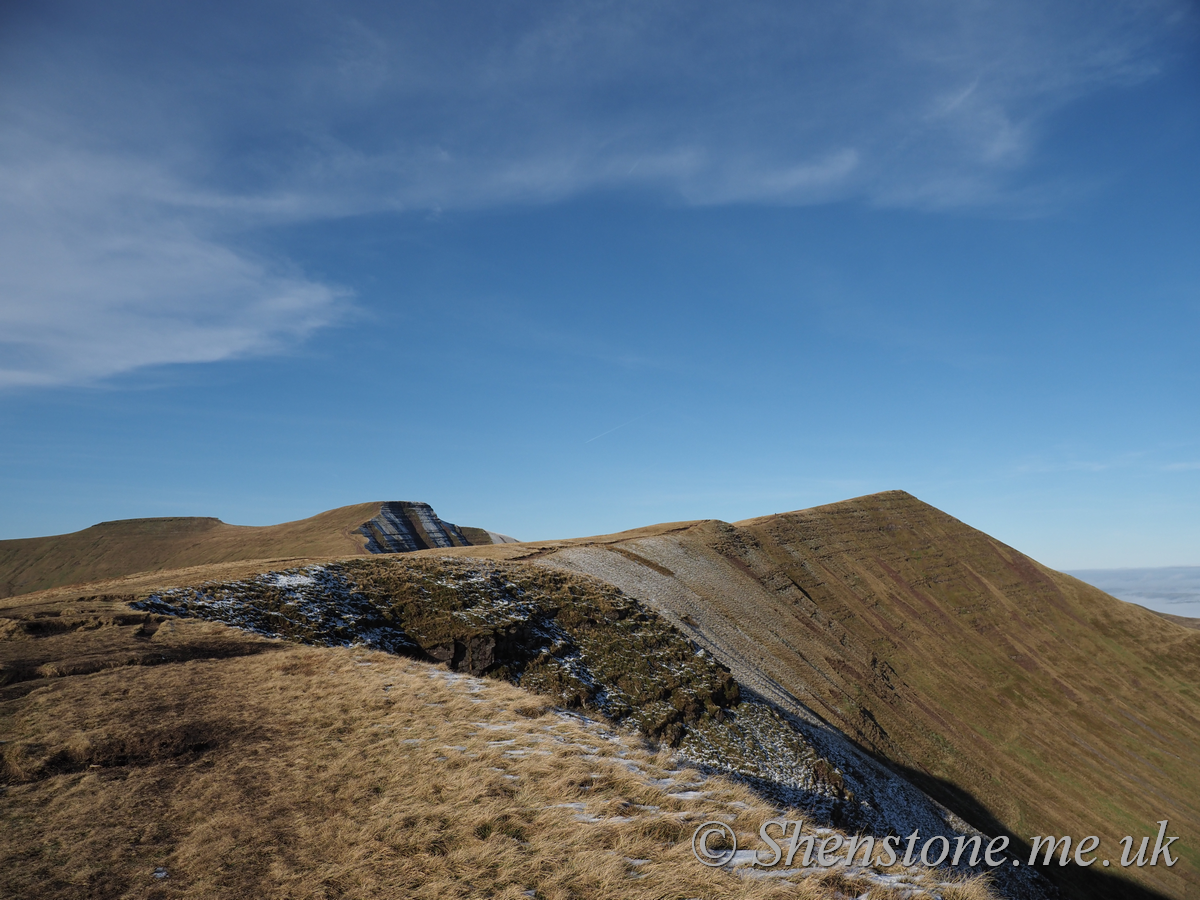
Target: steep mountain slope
(114,549)
(1023,699)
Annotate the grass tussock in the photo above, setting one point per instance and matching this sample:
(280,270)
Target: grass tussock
(322,773)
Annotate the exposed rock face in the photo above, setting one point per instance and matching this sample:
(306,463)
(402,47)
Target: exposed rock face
(402,527)
(571,637)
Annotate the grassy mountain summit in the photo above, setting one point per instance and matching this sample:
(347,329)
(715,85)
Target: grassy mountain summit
(129,546)
(1023,699)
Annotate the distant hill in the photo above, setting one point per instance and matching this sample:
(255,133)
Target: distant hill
(128,546)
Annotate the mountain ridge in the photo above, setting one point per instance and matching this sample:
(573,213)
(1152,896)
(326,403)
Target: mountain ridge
(947,655)
(129,546)
(1023,700)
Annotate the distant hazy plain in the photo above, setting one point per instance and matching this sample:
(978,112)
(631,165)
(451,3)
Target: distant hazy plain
(1170,589)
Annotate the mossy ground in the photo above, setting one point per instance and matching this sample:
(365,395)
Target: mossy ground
(574,638)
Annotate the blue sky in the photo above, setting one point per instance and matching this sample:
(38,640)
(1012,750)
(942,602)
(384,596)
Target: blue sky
(563,269)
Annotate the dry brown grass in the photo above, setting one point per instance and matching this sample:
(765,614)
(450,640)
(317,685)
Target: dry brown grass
(287,771)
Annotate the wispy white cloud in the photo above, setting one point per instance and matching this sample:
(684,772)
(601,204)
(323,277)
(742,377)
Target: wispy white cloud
(368,107)
(99,276)
(137,158)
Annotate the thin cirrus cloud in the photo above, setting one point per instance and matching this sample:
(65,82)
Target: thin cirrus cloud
(144,144)
(98,278)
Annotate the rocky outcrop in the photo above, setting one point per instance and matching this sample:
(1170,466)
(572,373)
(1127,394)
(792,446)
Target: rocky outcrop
(403,526)
(576,639)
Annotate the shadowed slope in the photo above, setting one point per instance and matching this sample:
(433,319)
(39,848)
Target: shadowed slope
(1023,699)
(115,549)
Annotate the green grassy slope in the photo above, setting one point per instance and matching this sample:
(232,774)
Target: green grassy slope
(1056,707)
(1020,697)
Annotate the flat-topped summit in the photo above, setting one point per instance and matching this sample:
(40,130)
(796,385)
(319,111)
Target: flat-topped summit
(127,546)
